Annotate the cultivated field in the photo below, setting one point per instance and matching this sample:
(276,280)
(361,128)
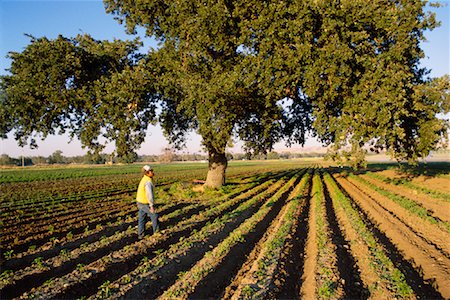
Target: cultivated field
(278,229)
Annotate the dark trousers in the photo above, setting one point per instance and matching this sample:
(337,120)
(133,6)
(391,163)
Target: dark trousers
(143,212)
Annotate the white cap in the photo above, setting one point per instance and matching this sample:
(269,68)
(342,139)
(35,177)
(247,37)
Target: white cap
(146,168)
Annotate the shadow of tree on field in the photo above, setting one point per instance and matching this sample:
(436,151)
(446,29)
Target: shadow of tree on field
(404,171)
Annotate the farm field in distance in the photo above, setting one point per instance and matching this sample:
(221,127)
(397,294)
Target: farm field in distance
(285,229)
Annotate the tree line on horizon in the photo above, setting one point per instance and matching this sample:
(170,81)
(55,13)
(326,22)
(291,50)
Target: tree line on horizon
(102,158)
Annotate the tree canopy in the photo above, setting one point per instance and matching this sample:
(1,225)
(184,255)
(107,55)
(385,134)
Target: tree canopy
(82,86)
(348,72)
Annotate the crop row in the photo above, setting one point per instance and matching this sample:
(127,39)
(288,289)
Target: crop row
(321,278)
(62,173)
(416,209)
(422,225)
(36,198)
(255,280)
(437,208)
(187,283)
(181,255)
(378,272)
(423,246)
(139,248)
(42,223)
(419,188)
(86,223)
(297,233)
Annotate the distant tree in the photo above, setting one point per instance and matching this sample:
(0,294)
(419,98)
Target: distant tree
(229,156)
(6,160)
(239,156)
(27,161)
(167,155)
(95,158)
(286,155)
(148,158)
(39,160)
(273,155)
(57,158)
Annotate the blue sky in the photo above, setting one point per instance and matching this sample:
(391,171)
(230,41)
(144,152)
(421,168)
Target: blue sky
(69,18)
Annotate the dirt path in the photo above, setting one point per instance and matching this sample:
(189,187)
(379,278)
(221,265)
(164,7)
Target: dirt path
(308,288)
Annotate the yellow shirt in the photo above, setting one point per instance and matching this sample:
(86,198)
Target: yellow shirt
(145,191)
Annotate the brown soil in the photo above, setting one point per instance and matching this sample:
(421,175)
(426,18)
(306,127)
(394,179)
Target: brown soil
(308,289)
(438,209)
(371,279)
(349,272)
(55,268)
(67,219)
(48,250)
(146,287)
(326,266)
(245,269)
(216,282)
(428,182)
(246,274)
(124,261)
(287,280)
(418,248)
(42,218)
(422,289)
(427,231)
(426,258)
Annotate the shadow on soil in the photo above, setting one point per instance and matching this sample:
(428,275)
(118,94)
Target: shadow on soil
(405,171)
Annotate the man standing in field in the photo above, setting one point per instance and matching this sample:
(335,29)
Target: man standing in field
(145,199)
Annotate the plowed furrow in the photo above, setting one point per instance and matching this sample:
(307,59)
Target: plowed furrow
(59,265)
(42,228)
(152,277)
(119,262)
(320,276)
(429,232)
(78,227)
(430,261)
(215,283)
(359,249)
(348,269)
(66,213)
(192,284)
(257,274)
(439,209)
(287,278)
(422,289)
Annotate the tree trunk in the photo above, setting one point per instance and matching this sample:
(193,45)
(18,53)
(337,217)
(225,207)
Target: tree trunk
(217,167)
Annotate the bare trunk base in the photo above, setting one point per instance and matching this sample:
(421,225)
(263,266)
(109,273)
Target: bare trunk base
(216,173)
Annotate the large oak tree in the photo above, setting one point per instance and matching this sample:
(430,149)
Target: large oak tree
(259,71)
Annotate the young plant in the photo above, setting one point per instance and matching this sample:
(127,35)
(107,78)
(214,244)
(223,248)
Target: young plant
(105,290)
(8,254)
